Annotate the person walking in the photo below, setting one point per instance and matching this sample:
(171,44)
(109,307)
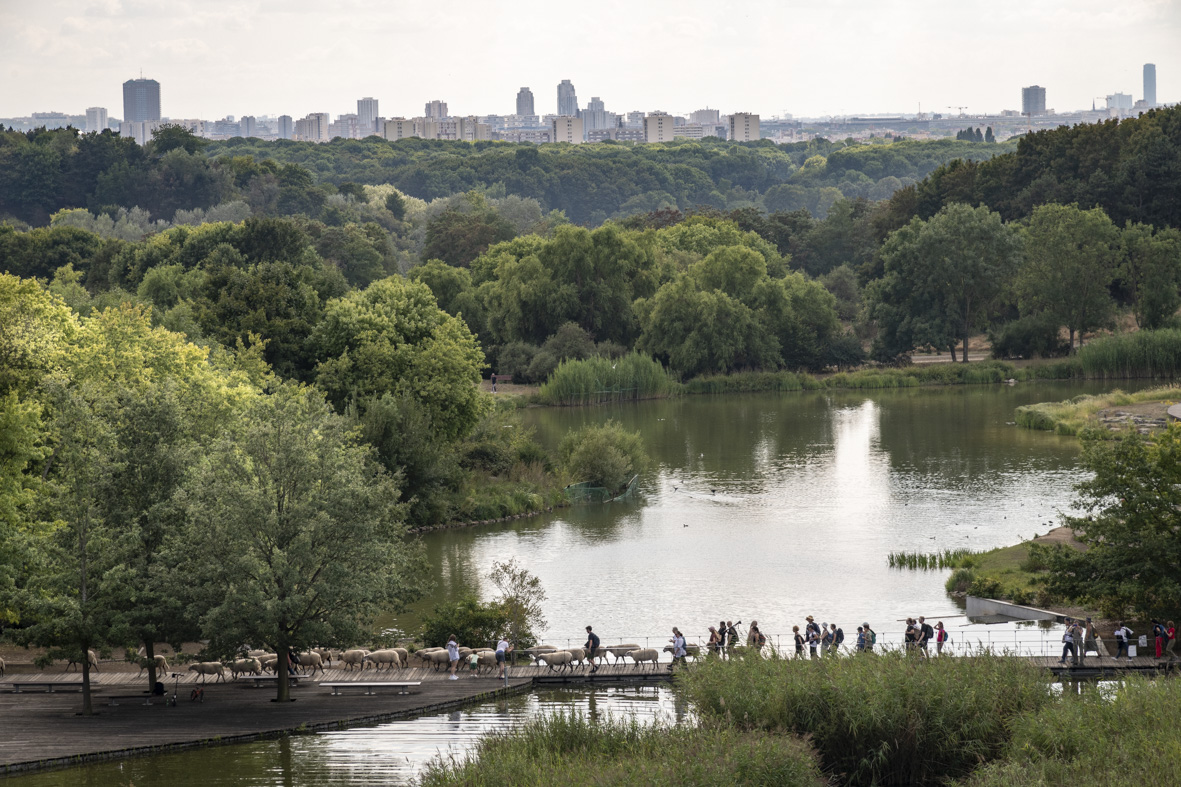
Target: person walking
(1067,643)
(871,637)
(940,638)
(860,639)
(678,642)
(715,642)
(1077,634)
(926,634)
(494,382)
(799,638)
(911,637)
(754,638)
(813,639)
(732,634)
(825,639)
(1122,635)
(722,638)
(1158,636)
(1090,638)
(453,655)
(592,648)
(503,648)
(1171,632)
(838,639)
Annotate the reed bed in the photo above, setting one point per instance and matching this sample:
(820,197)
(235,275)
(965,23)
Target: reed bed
(571,750)
(752,382)
(877,719)
(948,558)
(1155,354)
(604,380)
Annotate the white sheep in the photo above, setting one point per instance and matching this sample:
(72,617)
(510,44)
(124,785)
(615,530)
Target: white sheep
(389,657)
(645,654)
(354,658)
(404,654)
(268,661)
(556,658)
(311,661)
(91,656)
(439,658)
(160,662)
(619,652)
(691,651)
(485,658)
(423,656)
(577,655)
(252,666)
(325,655)
(204,668)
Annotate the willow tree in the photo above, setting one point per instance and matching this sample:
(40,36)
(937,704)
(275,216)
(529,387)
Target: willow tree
(293,536)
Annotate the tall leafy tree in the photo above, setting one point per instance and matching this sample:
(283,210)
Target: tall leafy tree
(1151,272)
(293,536)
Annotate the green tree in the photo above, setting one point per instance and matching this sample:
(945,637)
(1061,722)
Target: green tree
(1132,563)
(944,279)
(393,337)
(395,203)
(459,235)
(1151,272)
(521,597)
(606,456)
(1071,259)
(293,533)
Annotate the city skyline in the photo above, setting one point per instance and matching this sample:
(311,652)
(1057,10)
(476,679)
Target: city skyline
(65,56)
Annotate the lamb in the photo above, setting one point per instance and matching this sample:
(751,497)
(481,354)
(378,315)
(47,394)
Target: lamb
(556,658)
(90,656)
(252,666)
(389,657)
(619,652)
(354,658)
(645,654)
(204,668)
(160,662)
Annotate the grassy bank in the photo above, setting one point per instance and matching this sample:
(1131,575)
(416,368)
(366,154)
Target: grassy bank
(1080,415)
(571,750)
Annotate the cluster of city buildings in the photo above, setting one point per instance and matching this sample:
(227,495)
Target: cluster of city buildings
(577,124)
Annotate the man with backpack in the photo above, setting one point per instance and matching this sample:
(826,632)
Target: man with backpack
(871,638)
(926,634)
(838,639)
(1122,635)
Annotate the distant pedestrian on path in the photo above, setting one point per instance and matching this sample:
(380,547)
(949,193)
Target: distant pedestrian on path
(940,638)
(732,637)
(1159,637)
(1090,638)
(503,648)
(799,638)
(871,638)
(453,655)
(825,639)
(494,382)
(1122,635)
(1068,644)
(678,642)
(754,638)
(838,639)
(592,648)
(1171,631)
(715,641)
(860,639)
(722,631)
(926,634)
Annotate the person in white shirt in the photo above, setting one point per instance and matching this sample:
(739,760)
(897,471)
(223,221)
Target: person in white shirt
(1122,635)
(453,654)
(503,648)
(678,642)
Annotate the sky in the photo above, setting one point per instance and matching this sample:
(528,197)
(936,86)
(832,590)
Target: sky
(809,58)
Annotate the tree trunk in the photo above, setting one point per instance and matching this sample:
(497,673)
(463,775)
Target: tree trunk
(965,348)
(284,663)
(87,705)
(150,655)
(1071,339)
(953,358)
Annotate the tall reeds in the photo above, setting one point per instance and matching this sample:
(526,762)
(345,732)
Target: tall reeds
(948,558)
(603,380)
(1155,354)
(878,719)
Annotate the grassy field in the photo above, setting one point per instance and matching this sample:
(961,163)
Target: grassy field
(1007,572)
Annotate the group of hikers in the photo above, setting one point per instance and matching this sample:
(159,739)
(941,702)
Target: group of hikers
(1081,637)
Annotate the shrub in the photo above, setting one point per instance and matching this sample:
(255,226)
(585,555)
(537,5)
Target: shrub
(573,751)
(474,624)
(877,719)
(514,358)
(960,580)
(986,587)
(606,456)
(1035,336)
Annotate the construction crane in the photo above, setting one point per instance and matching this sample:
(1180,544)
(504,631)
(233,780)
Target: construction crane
(961,109)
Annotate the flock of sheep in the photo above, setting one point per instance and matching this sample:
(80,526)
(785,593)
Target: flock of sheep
(258,662)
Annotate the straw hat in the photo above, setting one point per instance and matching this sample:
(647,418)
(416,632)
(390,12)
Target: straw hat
(809,618)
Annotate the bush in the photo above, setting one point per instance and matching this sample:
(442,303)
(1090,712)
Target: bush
(514,359)
(573,751)
(606,456)
(986,587)
(474,624)
(1035,336)
(877,719)
(844,352)
(960,580)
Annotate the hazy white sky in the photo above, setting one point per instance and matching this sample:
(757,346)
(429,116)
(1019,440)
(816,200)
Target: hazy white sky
(807,57)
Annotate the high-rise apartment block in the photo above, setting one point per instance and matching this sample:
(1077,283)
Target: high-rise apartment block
(248,126)
(1033,100)
(397,128)
(658,127)
(744,127)
(141,100)
(567,99)
(313,128)
(1120,101)
(367,115)
(705,117)
(96,118)
(1150,85)
(567,129)
(525,102)
(284,127)
(436,110)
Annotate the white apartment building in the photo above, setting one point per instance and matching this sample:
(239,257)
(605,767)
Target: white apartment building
(313,128)
(567,129)
(96,118)
(659,127)
(397,128)
(744,127)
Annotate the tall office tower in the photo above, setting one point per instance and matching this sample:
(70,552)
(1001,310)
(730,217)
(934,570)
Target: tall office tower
(248,126)
(744,127)
(567,99)
(1120,101)
(141,100)
(525,102)
(284,127)
(367,116)
(96,118)
(596,116)
(1150,84)
(1033,100)
(705,117)
(436,110)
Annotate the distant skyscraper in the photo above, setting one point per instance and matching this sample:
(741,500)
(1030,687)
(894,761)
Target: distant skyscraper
(96,118)
(248,126)
(1120,101)
(367,116)
(141,100)
(1033,100)
(436,110)
(284,127)
(525,102)
(596,116)
(1150,84)
(744,127)
(567,99)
